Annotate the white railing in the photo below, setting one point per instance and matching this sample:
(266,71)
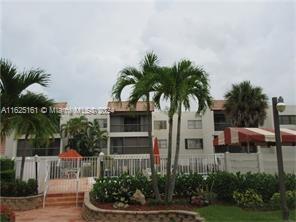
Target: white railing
(46,185)
(77,186)
(116,165)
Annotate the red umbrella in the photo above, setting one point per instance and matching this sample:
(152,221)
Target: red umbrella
(156,152)
(70,154)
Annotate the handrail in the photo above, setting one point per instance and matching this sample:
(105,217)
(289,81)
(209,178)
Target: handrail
(46,185)
(77,185)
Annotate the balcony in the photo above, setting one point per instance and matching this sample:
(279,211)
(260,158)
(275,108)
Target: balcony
(129,149)
(128,127)
(221,126)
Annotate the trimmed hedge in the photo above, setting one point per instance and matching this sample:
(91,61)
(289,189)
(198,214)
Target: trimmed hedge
(7,175)
(222,183)
(7,172)
(19,188)
(6,164)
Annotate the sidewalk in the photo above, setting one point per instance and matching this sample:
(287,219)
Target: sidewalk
(51,214)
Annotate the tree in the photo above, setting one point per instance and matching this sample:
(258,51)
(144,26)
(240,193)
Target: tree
(191,82)
(30,121)
(84,136)
(246,105)
(131,76)
(163,84)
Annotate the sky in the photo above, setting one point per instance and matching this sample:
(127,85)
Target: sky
(84,44)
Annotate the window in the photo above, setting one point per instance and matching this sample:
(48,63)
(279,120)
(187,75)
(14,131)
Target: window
(160,124)
(287,119)
(162,144)
(102,123)
(193,144)
(26,148)
(194,124)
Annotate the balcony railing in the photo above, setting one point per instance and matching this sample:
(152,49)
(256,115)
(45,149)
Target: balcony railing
(141,149)
(221,126)
(129,127)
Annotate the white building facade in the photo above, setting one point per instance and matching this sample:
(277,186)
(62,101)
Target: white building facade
(128,131)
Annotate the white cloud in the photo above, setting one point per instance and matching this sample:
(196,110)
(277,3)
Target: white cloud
(84,45)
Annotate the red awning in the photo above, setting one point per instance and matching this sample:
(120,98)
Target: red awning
(235,135)
(156,151)
(69,154)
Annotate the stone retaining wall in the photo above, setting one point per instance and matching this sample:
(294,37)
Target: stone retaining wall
(22,203)
(92,213)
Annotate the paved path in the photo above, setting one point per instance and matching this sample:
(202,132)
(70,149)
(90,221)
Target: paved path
(51,214)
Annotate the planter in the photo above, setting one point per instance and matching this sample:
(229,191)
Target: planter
(93,213)
(23,203)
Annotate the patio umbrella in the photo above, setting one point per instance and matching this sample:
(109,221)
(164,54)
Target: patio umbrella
(70,154)
(156,152)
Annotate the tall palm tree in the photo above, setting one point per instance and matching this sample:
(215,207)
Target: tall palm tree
(131,76)
(246,105)
(191,82)
(164,86)
(33,124)
(12,86)
(37,127)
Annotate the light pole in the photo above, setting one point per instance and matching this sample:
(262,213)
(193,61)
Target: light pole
(36,170)
(278,105)
(101,155)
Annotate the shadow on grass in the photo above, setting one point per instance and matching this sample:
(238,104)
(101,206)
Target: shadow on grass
(222,213)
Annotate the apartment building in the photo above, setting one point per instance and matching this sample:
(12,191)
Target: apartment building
(127,129)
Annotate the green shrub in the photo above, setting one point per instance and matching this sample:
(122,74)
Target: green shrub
(7,175)
(121,188)
(290,181)
(248,199)
(7,172)
(6,164)
(224,184)
(187,184)
(262,183)
(19,188)
(275,200)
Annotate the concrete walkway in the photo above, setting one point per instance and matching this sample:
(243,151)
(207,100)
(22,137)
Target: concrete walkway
(51,214)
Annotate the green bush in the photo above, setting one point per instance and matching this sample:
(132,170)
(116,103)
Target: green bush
(7,175)
(19,188)
(248,199)
(275,200)
(6,164)
(290,181)
(224,184)
(7,172)
(120,188)
(221,183)
(187,184)
(264,184)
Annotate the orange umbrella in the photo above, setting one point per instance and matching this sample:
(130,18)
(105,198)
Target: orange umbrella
(70,154)
(156,152)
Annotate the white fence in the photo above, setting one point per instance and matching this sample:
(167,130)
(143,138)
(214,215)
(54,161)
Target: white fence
(116,165)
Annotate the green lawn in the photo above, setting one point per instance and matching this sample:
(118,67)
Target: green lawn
(219,213)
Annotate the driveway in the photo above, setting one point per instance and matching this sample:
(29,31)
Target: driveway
(51,214)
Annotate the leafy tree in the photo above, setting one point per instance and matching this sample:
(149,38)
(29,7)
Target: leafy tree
(191,83)
(163,85)
(84,136)
(32,123)
(131,76)
(246,105)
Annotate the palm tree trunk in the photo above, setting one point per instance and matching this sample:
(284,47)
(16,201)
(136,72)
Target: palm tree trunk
(153,171)
(23,160)
(176,160)
(169,159)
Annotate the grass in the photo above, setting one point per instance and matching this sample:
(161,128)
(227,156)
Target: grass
(219,213)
